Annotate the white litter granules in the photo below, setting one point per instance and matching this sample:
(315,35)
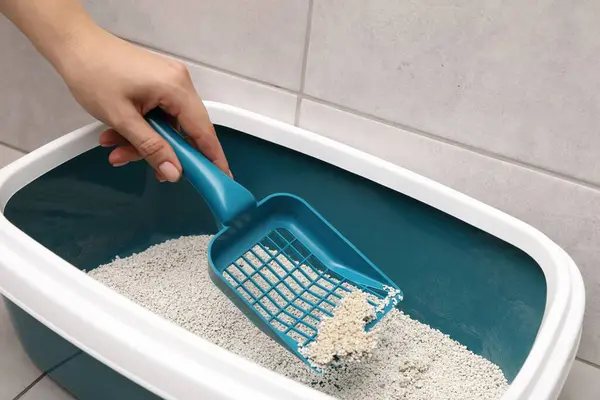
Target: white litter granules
(342,339)
(411,361)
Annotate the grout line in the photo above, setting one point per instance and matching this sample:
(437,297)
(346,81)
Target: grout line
(28,387)
(591,364)
(462,146)
(301,96)
(46,373)
(209,66)
(13,147)
(304,62)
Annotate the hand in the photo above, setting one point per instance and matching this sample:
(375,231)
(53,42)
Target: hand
(117,83)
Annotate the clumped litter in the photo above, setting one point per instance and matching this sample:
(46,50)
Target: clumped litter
(342,339)
(400,359)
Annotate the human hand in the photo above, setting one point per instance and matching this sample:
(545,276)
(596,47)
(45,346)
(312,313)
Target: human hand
(117,83)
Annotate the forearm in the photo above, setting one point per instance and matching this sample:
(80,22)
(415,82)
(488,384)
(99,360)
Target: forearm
(51,25)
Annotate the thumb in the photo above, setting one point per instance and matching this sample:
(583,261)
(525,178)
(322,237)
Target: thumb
(150,145)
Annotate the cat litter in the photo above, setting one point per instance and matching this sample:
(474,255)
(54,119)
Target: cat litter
(400,359)
(342,339)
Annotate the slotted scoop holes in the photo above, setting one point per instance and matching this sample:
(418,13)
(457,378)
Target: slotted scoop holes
(288,286)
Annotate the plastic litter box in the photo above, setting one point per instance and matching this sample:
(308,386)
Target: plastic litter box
(491,282)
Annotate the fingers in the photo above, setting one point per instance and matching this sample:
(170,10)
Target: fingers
(197,125)
(123,155)
(125,152)
(145,143)
(159,177)
(194,120)
(111,138)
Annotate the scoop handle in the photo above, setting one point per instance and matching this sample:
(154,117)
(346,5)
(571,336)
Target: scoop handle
(226,198)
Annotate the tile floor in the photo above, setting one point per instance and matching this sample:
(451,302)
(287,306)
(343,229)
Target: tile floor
(20,379)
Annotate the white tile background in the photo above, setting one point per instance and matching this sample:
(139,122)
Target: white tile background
(498,99)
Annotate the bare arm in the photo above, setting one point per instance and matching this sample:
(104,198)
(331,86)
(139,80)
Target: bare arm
(117,83)
(51,25)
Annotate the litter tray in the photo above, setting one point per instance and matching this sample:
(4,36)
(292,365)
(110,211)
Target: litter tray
(491,282)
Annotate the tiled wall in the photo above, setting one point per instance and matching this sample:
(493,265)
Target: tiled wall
(498,99)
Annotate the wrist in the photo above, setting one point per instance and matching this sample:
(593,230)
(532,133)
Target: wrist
(71,43)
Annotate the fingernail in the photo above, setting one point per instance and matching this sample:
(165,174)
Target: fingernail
(120,164)
(107,144)
(230,174)
(169,171)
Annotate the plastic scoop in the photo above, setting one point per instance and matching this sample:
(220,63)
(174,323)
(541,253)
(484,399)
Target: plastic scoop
(281,263)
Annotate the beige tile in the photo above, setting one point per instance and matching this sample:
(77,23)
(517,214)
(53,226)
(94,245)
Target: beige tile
(566,212)
(225,88)
(520,79)
(16,370)
(46,389)
(7,155)
(261,39)
(36,105)
(583,383)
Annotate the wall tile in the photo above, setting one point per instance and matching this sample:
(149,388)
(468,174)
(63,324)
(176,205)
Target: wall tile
(36,105)
(225,88)
(16,370)
(517,79)
(7,155)
(566,212)
(260,39)
(583,383)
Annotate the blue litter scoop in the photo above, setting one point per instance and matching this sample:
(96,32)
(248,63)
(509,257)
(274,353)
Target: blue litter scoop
(281,263)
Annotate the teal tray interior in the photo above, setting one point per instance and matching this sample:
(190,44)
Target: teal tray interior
(482,291)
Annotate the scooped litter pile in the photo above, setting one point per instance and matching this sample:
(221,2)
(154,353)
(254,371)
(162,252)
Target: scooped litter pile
(342,339)
(410,361)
